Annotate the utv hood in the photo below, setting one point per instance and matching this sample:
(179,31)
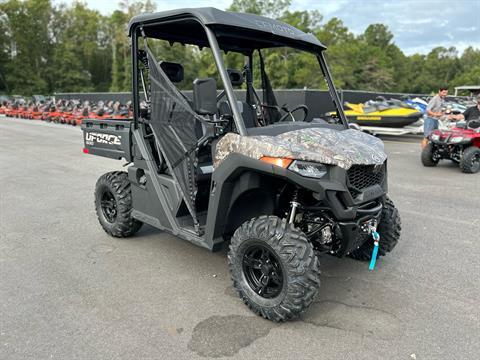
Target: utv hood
(327,146)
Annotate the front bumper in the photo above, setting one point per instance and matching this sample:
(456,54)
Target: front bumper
(355,233)
(347,202)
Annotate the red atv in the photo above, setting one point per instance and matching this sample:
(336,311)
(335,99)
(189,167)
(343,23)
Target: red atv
(460,144)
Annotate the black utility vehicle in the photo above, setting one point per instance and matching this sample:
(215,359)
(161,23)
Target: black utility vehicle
(280,184)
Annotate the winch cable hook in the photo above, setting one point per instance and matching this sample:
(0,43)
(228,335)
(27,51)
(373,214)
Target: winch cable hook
(376,241)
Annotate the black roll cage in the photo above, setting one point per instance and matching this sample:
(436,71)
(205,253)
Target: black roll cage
(214,46)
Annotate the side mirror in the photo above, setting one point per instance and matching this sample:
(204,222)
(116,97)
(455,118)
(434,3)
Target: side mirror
(354,126)
(236,77)
(174,71)
(205,96)
(474,124)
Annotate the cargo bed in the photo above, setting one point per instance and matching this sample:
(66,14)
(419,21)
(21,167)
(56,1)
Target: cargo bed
(108,137)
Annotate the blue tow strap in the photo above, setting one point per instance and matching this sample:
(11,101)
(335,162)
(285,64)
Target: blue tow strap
(376,239)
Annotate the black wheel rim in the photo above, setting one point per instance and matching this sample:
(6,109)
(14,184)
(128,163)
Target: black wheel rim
(475,160)
(109,206)
(263,271)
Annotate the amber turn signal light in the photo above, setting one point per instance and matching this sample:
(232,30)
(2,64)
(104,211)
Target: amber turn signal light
(284,163)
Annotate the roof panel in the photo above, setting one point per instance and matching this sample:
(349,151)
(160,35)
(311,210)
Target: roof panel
(272,30)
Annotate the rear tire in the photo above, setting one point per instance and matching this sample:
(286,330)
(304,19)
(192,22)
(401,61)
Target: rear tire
(470,162)
(273,268)
(113,204)
(427,156)
(389,228)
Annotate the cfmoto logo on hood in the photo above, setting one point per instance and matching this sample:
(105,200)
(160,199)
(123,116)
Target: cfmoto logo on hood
(109,139)
(376,158)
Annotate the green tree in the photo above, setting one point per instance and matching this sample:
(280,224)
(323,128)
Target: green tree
(86,31)
(27,22)
(343,52)
(469,73)
(68,72)
(377,35)
(120,43)
(4,51)
(80,60)
(415,74)
(441,66)
(334,33)
(307,21)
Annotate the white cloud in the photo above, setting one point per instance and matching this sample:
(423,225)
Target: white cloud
(468,29)
(107,6)
(169,5)
(326,7)
(415,21)
(421,49)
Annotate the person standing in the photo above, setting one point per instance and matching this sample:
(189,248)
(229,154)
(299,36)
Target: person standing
(434,111)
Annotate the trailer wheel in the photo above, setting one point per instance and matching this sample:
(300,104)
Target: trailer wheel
(273,268)
(470,162)
(113,204)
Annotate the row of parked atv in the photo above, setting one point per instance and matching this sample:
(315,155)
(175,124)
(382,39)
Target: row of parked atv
(66,111)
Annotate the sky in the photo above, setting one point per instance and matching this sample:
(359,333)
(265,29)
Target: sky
(417,26)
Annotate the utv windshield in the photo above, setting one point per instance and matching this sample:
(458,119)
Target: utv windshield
(275,72)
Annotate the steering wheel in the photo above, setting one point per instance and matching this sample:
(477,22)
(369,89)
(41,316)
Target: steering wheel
(290,112)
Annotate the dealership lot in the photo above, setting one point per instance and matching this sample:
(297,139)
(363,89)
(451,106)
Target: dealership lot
(69,291)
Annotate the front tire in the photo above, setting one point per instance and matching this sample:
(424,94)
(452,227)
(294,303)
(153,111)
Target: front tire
(470,162)
(427,156)
(113,204)
(273,268)
(389,228)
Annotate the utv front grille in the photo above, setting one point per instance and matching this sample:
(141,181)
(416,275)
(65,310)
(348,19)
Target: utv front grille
(363,176)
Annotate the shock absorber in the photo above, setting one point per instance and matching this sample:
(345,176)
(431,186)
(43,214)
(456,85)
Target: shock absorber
(294,205)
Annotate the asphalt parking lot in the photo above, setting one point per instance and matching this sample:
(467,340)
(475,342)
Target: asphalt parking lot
(69,291)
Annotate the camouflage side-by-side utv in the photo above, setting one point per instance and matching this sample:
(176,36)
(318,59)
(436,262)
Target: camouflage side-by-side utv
(280,184)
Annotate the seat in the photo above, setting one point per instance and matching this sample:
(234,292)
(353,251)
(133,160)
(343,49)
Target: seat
(246,110)
(248,113)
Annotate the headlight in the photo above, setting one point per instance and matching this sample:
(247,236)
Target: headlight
(456,139)
(435,137)
(308,169)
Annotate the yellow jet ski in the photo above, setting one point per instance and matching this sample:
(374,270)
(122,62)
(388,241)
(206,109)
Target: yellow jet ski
(381,112)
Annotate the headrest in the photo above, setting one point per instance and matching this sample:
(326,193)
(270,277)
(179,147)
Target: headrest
(224,109)
(173,70)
